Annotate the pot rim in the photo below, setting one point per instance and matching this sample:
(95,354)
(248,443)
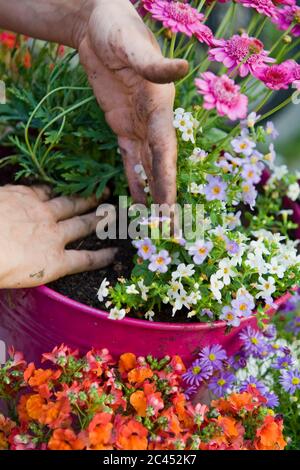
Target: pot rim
(146,324)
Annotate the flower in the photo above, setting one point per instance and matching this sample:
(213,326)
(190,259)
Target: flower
(226,271)
(143,289)
(253,341)
(215,189)
(103,290)
(213,355)
(198,155)
(177,16)
(286,16)
(265,7)
(145,248)
(160,261)
(183,270)
(251,120)
(243,305)
(271,130)
(131,435)
(282,362)
(216,286)
(198,372)
(243,53)
(276,77)
(221,383)
(251,173)
(293,191)
(117,314)
(200,250)
(65,439)
(290,380)
(249,194)
(269,436)
(253,382)
(266,287)
(230,316)
(132,290)
(223,94)
(243,144)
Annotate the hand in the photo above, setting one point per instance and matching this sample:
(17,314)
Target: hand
(125,66)
(34,232)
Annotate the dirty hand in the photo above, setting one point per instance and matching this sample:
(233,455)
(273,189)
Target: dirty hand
(132,82)
(34,232)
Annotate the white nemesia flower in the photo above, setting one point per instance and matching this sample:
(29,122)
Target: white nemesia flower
(198,155)
(256,262)
(103,290)
(183,270)
(266,287)
(293,191)
(131,289)
(276,268)
(149,315)
(117,314)
(226,271)
(144,289)
(216,286)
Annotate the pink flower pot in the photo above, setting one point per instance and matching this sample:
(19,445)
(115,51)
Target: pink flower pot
(36,320)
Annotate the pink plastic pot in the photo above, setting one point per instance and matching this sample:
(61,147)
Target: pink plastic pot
(36,320)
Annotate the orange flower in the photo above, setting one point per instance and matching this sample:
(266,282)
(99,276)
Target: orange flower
(127,362)
(34,406)
(8,39)
(22,409)
(269,436)
(177,365)
(180,406)
(65,439)
(27,60)
(6,427)
(132,435)
(38,377)
(100,431)
(173,422)
(55,414)
(231,428)
(139,402)
(236,402)
(140,374)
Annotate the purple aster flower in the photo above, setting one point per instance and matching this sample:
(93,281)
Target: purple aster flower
(283,362)
(243,305)
(270,331)
(290,380)
(272,400)
(221,383)
(200,250)
(215,189)
(294,326)
(160,261)
(190,392)
(253,382)
(230,316)
(253,342)
(197,373)
(213,355)
(145,248)
(251,173)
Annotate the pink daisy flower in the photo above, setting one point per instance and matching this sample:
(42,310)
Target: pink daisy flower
(223,94)
(286,16)
(265,7)
(278,76)
(180,17)
(232,52)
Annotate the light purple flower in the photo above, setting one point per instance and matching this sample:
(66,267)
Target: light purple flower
(294,326)
(251,173)
(160,261)
(253,382)
(243,305)
(232,247)
(271,130)
(230,316)
(272,400)
(197,373)
(242,144)
(207,312)
(290,380)
(221,383)
(249,194)
(213,355)
(283,362)
(200,250)
(253,342)
(145,248)
(215,189)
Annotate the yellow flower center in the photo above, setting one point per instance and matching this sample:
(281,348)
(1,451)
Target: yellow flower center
(212,357)
(196,370)
(243,307)
(295,381)
(221,382)
(216,189)
(159,260)
(145,248)
(243,146)
(202,251)
(254,340)
(230,316)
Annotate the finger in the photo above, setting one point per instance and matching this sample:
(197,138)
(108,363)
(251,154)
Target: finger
(43,192)
(163,146)
(81,261)
(66,207)
(130,151)
(147,60)
(78,227)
